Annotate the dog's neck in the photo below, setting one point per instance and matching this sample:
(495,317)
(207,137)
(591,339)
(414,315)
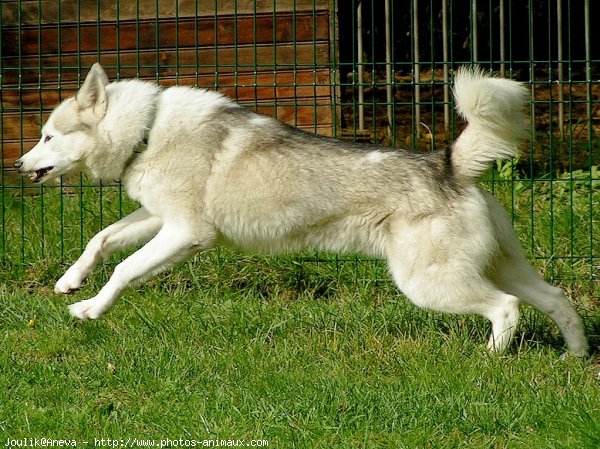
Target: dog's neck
(141,146)
(131,114)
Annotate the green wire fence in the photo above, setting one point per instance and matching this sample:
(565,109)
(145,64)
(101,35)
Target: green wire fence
(371,70)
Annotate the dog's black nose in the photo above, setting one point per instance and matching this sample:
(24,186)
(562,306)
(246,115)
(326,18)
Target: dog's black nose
(18,164)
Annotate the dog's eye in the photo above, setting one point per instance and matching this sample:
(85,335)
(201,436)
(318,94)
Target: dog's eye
(47,139)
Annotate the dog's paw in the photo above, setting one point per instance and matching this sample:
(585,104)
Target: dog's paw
(582,353)
(71,280)
(89,309)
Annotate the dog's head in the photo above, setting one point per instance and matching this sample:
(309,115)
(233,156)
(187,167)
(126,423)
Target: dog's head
(70,134)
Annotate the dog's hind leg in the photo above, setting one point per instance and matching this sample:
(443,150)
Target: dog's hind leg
(444,289)
(503,312)
(515,275)
(172,244)
(511,272)
(134,229)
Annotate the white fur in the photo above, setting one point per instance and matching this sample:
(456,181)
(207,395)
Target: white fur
(493,107)
(214,173)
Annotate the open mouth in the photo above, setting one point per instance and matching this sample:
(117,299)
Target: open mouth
(37,175)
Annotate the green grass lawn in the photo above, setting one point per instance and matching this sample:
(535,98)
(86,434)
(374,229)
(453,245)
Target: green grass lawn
(303,352)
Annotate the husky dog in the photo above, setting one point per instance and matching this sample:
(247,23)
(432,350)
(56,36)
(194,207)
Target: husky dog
(207,171)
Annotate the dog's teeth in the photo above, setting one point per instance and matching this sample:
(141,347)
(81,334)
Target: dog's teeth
(37,175)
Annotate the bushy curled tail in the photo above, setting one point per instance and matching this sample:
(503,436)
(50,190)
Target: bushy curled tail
(494,110)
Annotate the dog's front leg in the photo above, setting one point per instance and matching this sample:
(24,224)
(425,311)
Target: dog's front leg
(171,245)
(133,229)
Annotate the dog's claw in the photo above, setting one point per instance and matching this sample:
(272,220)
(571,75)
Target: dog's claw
(64,291)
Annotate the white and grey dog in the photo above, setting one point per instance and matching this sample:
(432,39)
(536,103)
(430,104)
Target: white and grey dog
(207,171)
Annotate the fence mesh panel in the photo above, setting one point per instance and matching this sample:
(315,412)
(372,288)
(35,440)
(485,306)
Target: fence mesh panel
(371,70)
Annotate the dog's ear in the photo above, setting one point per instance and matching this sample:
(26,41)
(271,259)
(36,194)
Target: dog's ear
(91,97)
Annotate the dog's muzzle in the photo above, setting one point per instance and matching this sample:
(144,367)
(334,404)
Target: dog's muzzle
(35,175)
